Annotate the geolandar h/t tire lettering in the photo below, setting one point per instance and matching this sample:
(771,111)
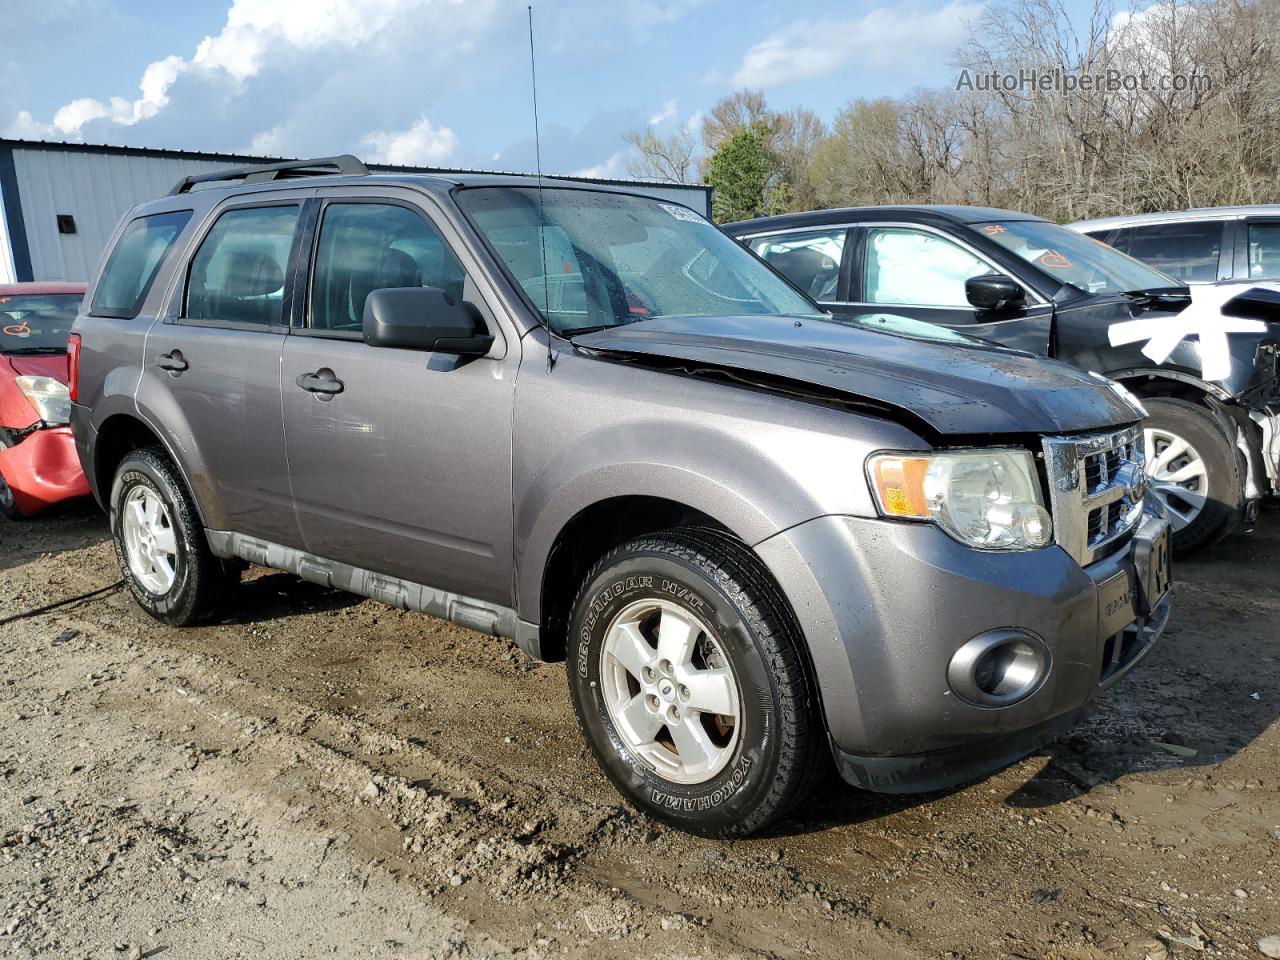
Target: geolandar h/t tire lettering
(690,683)
(160,544)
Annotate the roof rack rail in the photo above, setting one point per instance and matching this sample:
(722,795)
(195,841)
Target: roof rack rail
(344,165)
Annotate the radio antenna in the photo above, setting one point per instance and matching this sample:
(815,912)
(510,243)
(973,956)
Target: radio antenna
(542,219)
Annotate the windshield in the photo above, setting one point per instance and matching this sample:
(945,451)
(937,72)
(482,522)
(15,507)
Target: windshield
(590,259)
(1074,258)
(37,322)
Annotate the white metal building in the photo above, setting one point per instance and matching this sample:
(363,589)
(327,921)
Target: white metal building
(60,202)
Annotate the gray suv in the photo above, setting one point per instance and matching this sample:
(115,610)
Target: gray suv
(589,421)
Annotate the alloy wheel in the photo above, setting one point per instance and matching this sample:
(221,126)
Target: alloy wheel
(1177,475)
(150,540)
(670,691)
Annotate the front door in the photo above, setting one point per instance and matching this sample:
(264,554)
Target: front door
(213,368)
(400,459)
(920,272)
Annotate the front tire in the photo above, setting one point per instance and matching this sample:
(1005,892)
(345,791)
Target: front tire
(691,685)
(8,504)
(1193,469)
(160,543)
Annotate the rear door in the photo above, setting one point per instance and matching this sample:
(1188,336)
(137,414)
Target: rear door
(405,469)
(212,368)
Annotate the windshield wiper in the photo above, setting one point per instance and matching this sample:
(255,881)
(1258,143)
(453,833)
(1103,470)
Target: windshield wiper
(582,331)
(1158,295)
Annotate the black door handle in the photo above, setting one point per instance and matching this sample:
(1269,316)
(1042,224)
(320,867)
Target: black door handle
(173,361)
(322,383)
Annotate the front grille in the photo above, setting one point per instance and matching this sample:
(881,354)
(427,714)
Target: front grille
(1096,486)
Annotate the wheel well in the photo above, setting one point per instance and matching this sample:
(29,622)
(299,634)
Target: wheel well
(117,437)
(585,539)
(1147,385)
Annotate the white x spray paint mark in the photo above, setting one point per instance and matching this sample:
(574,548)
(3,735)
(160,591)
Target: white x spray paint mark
(1203,319)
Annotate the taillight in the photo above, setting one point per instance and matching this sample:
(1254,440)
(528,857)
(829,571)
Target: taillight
(73,366)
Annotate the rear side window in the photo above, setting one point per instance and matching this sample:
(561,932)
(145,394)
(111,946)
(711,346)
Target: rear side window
(1188,252)
(126,279)
(809,260)
(1264,250)
(237,276)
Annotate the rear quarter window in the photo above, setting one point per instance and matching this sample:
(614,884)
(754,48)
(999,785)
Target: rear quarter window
(133,263)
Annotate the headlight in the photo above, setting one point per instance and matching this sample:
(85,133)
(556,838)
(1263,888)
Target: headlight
(988,499)
(48,396)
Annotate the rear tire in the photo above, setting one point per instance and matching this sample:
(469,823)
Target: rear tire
(160,543)
(1193,469)
(721,737)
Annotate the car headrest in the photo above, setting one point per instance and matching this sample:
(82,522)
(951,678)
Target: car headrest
(253,273)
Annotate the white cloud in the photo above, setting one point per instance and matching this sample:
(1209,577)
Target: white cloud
(884,37)
(666,113)
(611,169)
(420,145)
(260,35)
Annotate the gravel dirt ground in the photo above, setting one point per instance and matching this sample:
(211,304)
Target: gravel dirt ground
(318,775)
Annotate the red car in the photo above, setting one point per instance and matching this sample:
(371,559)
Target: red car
(38,462)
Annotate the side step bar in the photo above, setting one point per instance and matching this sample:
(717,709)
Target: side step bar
(491,618)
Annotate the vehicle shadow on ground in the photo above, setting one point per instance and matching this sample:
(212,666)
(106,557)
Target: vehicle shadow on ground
(1190,704)
(275,596)
(72,525)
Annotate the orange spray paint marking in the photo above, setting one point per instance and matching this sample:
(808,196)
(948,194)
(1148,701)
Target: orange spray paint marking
(1054,260)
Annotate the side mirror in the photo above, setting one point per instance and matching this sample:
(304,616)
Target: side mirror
(991,291)
(424,318)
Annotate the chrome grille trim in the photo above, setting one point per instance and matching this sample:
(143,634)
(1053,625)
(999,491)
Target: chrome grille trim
(1096,486)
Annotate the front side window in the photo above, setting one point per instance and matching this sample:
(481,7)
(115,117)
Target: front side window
(1072,258)
(237,276)
(132,265)
(590,259)
(373,246)
(916,267)
(37,322)
(1264,251)
(810,260)
(1188,252)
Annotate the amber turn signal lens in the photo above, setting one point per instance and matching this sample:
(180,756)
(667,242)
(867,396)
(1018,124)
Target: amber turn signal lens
(898,482)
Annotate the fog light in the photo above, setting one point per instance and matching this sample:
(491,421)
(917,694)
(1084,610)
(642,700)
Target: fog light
(999,668)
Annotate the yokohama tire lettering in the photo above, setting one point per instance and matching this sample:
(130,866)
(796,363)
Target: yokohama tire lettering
(713,799)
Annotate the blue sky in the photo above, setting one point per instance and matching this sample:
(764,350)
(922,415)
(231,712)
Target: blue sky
(445,81)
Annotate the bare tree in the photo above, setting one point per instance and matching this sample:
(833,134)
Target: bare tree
(670,159)
(737,111)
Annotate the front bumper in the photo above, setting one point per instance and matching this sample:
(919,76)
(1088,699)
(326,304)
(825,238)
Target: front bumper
(885,606)
(42,469)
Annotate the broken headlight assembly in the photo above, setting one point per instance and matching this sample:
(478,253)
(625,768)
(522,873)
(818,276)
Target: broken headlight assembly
(986,499)
(48,397)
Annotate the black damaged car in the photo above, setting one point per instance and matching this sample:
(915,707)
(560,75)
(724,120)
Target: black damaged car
(1207,374)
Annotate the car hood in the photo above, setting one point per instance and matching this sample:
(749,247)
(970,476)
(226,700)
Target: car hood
(35,365)
(954,385)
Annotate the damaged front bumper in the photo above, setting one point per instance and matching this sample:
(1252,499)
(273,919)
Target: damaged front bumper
(890,609)
(40,466)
